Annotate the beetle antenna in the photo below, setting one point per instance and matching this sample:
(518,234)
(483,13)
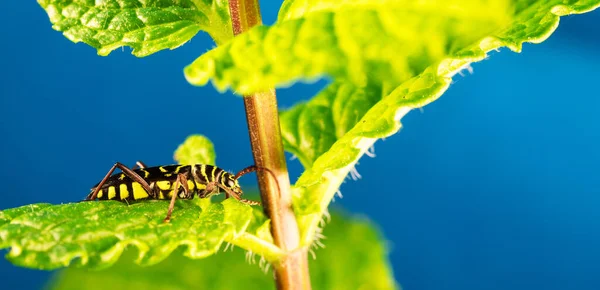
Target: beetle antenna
(253,168)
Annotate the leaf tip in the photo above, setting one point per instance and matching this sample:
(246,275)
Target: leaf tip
(200,71)
(196,149)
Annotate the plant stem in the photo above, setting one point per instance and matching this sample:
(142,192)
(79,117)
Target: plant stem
(265,137)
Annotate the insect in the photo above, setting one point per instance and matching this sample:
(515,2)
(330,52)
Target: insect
(170,182)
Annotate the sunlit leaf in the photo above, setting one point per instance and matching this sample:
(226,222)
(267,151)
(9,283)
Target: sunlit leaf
(146,26)
(96,233)
(359,42)
(354,257)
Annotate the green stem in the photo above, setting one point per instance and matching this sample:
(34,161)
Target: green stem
(291,271)
(258,246)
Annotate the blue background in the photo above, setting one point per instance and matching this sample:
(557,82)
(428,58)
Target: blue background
(494,186)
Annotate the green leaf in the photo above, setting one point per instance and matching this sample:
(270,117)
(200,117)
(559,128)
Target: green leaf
(310,129)
(352,246)
(146,26)
(359,42)
(386,58)
(354,257)
(196,149)
(316,187)
(96,233)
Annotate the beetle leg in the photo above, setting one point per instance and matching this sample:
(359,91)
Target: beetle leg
(128,172)
(180,182)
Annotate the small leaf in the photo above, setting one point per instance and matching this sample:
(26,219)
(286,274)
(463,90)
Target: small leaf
(196,149)
(316,187)
(146,26)
(310,129)
(96,233)
(354,258)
